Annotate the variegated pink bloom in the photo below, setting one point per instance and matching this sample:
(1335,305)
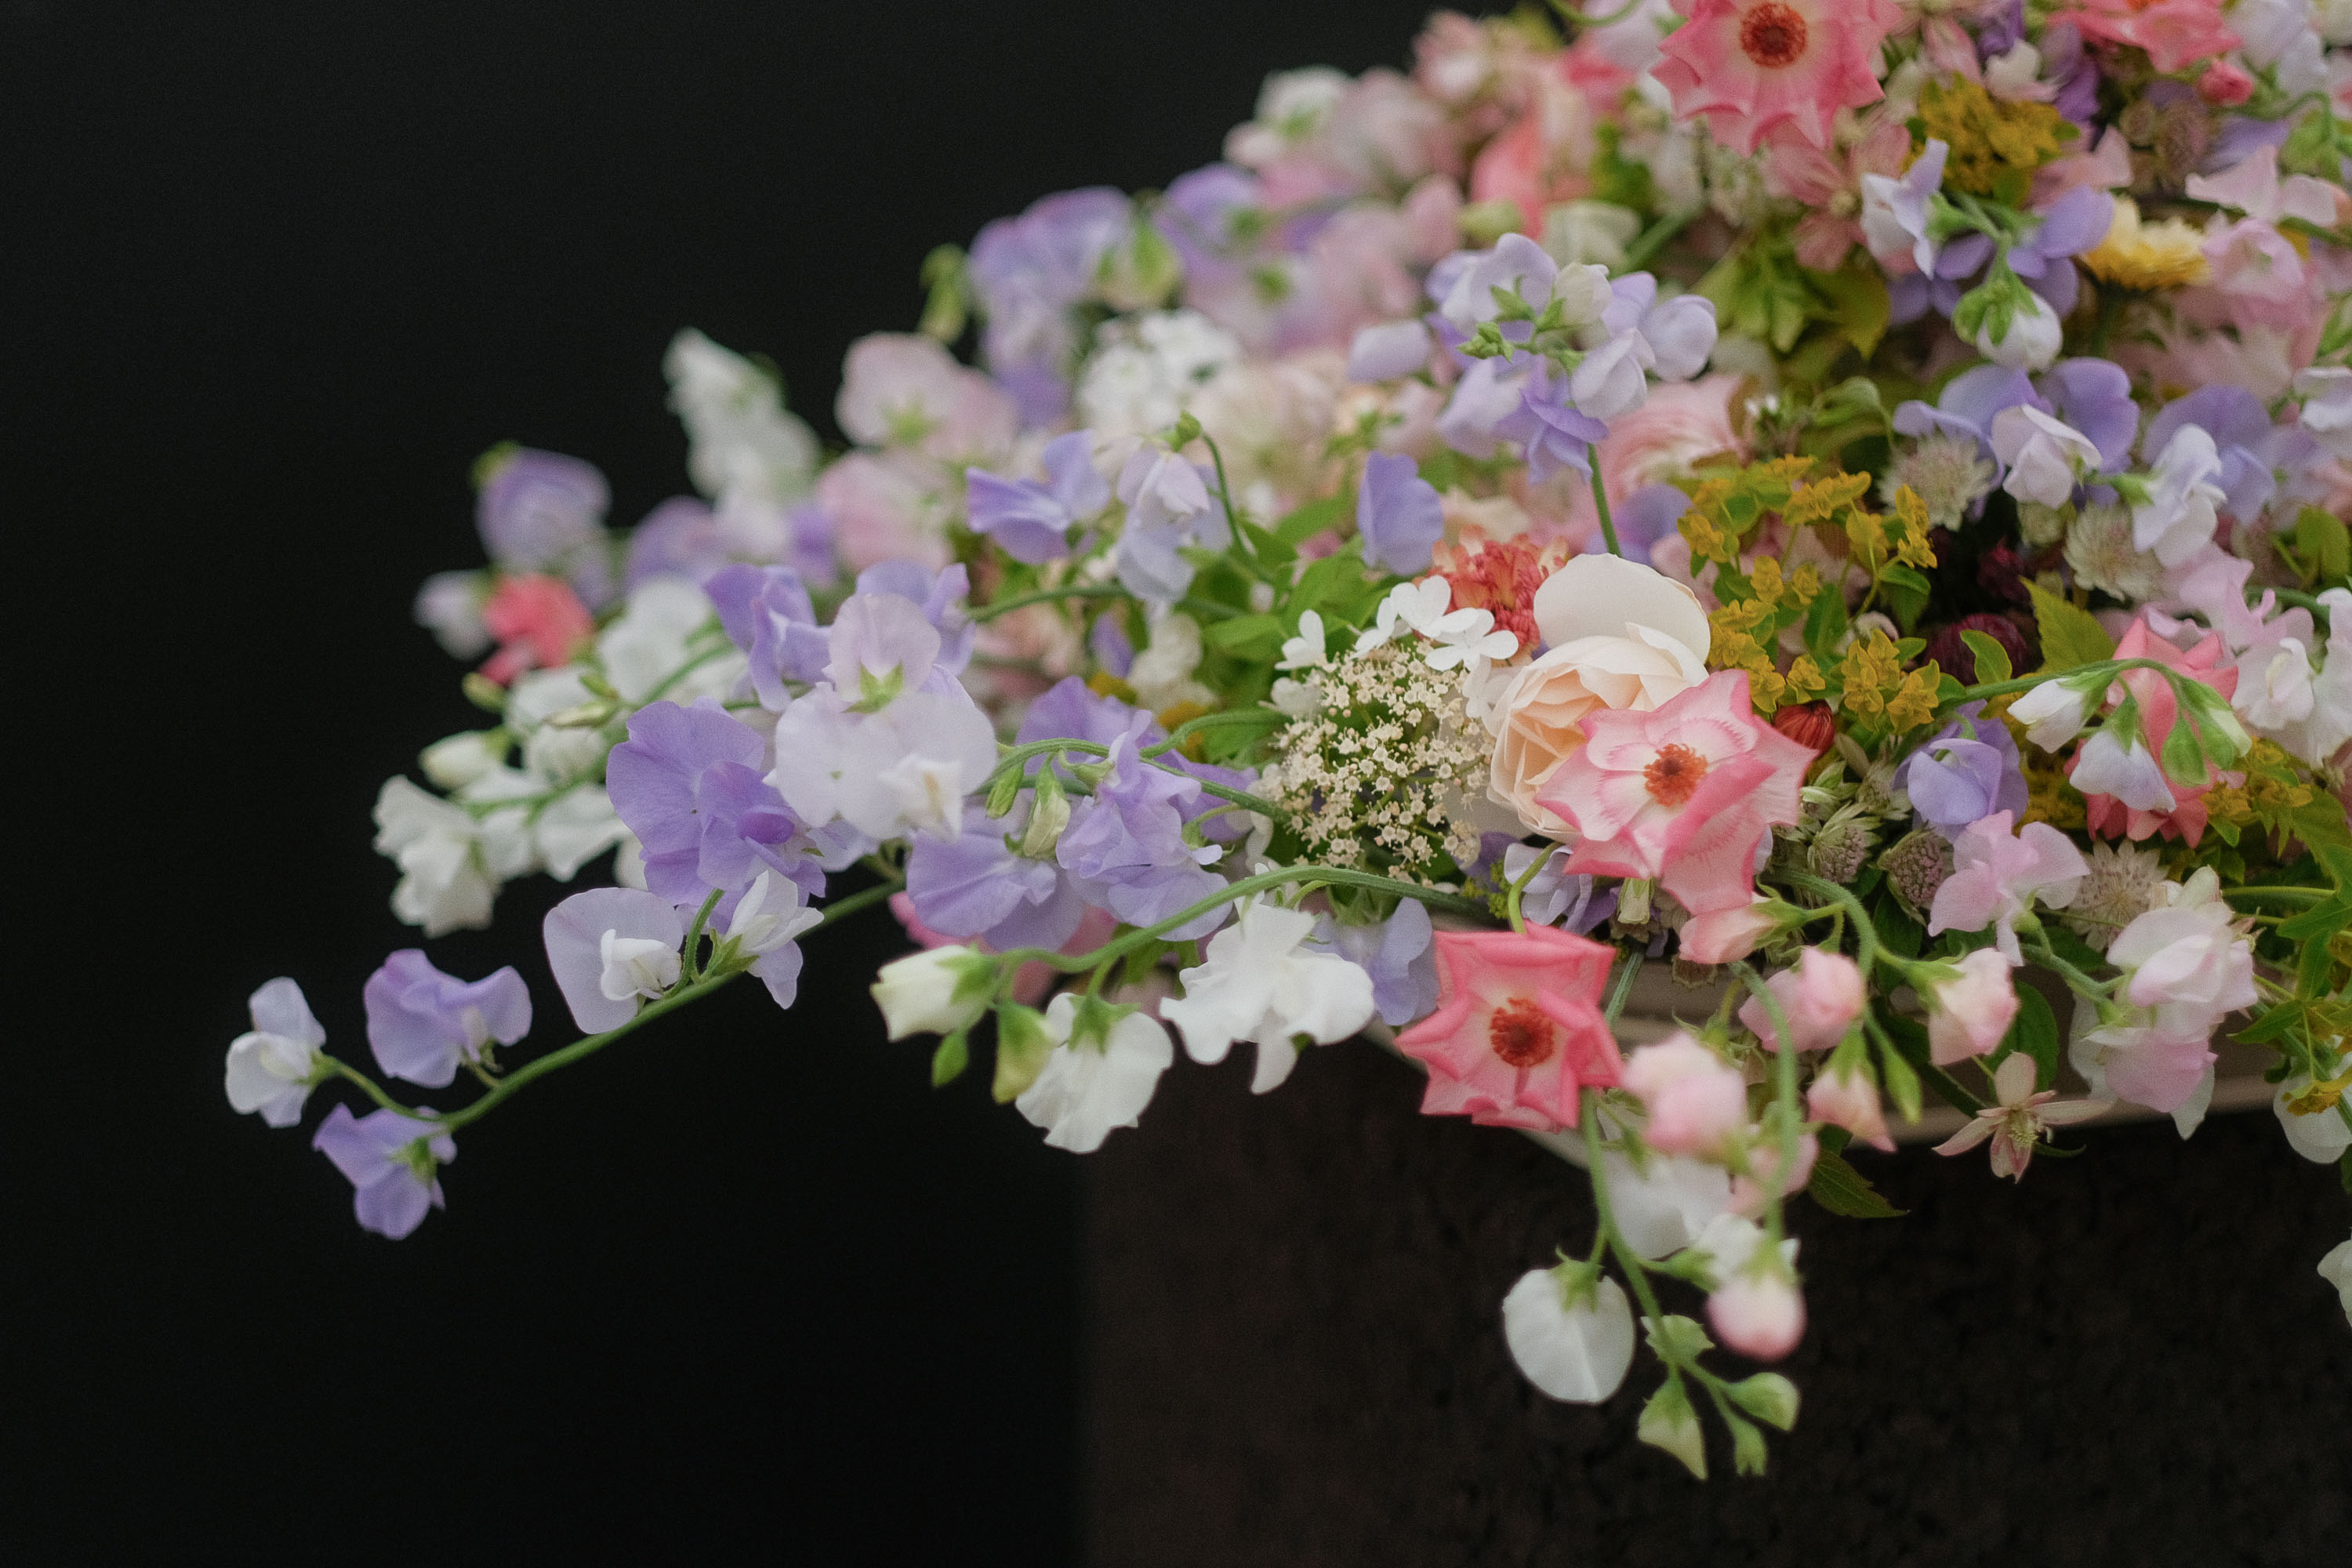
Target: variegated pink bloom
(540,624)
(2209,662)
(1753,67)
(1518,1033)
(2016,1121)
(1682,795)
(1830,188)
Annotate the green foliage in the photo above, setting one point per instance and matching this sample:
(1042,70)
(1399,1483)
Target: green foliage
(2035,1031)
(947,1062)
(1838,1187)
(2071,636)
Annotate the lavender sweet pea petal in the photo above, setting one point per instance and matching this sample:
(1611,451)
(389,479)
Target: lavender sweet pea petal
(1113,649)
(1196,216)
(1024,519)
(679,538)
(387,1195)
(2094,397)
(2242,432)
(536,507)
(1399,954)
(422,1022)
(779,972)
(2076,222)
(1647,516)
(654,778)
(964,886)
(575,934)
(1398,515)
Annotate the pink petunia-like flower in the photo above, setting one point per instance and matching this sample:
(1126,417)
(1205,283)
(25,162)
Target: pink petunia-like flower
(540,624)
(1517,1032)
(2016,1121)
(1753,67)
(1682,793)
(2175,33)
(1997,876)
(1831,187)
(2208,663)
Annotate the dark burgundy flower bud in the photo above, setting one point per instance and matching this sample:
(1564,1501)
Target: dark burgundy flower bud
(1808,724)
(1952,655)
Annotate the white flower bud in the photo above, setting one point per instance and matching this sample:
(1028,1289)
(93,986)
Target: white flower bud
(935,991)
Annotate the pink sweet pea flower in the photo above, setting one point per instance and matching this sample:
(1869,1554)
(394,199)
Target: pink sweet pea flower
(1748,1191)
(1752,67)
(1997,878)
(1970,1011)
(1696,1100)
(1682,793)
(1720,936)
(1760,1315)
(2017,1121)
(1517,1032)
(2175,33)
(1849,1099)
(1820,998)
(2109,815)
(540,624)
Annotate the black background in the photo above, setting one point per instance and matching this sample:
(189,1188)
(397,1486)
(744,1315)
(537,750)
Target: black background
(745,1288)
(274,275)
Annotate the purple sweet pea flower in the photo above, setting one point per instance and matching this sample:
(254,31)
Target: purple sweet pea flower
(2250,447)
(1108,640)
(1032,521)
(767,614)
(678,538)
(2075,223)
(1197,217)
(1557,435)
(1680,333)
(575,933)
(1401,955)
(1966,406)
(422,1022)
(2095,398)
(1645,517)
(2065,62)
(688,782)
(941,597)
(1553,897)
(391,1186)
(1070,709)
(535,508)
(1895,211)
(979,885)
(1027,272)
(1125,844)
(1965,774)
(1398,515)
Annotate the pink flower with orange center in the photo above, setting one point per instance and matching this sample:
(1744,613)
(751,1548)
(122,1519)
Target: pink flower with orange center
(1682,793)
(540,624)
(1518,1033)
(1753,67)
(2175,33)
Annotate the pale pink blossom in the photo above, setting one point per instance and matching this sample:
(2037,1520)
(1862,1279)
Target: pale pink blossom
(2185,958)
(2017,1119)
(1682,795)
(1760,1315)
(1972,1011)
(1723,935)
(1750,1192)
(903,390)
(1830,186)
(1820,998)
(2175,33)
(881,511)
(1518,1033)
(1848,1099)
(1997,876)
(1696,1100)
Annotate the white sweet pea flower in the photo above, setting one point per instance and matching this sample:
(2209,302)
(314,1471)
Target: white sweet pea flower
(2016,75)
(1519,264)
(574,829)
(1098,1081)
(458,761)
(2178,517)
(270,1067)
(769,915)
(1664,1206)
(636,966)
(1258,985)
(935,991)
(2052,712)
(907,766)
(451,865)
(2323,733)
(2314,1124)
(742,445)
(2327,393)
(2275,688)
(2336,1269)
(1571,1337)
(658,635)
(1613,379)
(1305,651)
(2045,456)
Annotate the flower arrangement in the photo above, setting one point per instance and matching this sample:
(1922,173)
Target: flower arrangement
(1844,497)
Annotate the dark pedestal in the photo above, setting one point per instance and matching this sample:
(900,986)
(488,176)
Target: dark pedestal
(1297,1353)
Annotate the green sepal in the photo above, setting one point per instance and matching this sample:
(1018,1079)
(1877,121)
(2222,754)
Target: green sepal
(1769,1397)
(1668,1422)
(1748,1452)
(1021,1047)
(947,1062)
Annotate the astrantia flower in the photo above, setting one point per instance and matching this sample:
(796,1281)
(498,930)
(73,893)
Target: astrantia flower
(1517,1032)
(392,1163)
(1751,66)
(2017,1119)
(2100,549)
(2124,882)
(1260,983)
(1946,472)
(271,1067)
(1681,795)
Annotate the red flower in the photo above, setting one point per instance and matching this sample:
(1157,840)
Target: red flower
(540,624)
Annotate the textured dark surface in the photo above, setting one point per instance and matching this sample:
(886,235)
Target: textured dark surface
(1298,1359)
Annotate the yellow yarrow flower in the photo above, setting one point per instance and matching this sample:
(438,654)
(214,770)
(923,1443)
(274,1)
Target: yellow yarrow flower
(2147,256)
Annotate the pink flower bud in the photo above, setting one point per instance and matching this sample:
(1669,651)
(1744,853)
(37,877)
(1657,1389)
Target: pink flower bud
(1850,1100)
(1820,997)
(1972,1011)
(1695,1098)
(1761,1316)
(1747,1193)
(1724,935)
(2225,84)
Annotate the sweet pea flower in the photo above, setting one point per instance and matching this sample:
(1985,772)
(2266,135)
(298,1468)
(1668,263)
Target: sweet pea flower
(1895,213)
(1032,521)
(539,623)
(1098,1082)
(1820,999)
(1552,420)
(1516,265)
(2018,1118)
(2327,394)
(2311,1113)
(1755,67)
(935,991)
(1167,507)
(2045,456)
(904,390)
(1721,936)
(1399,954)
(536,510)
(2126,793)
(1668,1203)
(742,444)
(1830,186)
(2053,713)
(1125,844)
(2336,1269)
(2249,447)
(604,947)
(1759,1314)
(1997,876)
(451,862)
(1845,1097)
(2185,959)
(1398,515)
(1682,795)
(1698,1102)
(1969,1013)
(1570,1334)
(2178,516)
(1968,772)
(391,1162)
(1675,336)
(1386,350)
(271,1066)
(687,783)
(1259,982)
(1518,1033)
(905,767)
(1552,896)
(422,1022)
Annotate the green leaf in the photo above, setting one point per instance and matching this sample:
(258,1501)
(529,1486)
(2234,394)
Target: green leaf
(1668,1422)
(1769,1397)
(1906,593)
(2035,1031)
(2321,923)
(1897,932)
(2069,636)
(1243,632)
(1825,624)
(1312,518)
(2271,1023)
(1842,1190)
(2068,945)
(2311,974)
(1993,659)
(2338,858)
(1270,550)
(2323,543)
(2343,1168)
(949,1061)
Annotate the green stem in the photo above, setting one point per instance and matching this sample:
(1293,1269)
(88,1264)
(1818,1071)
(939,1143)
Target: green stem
(1784,1099)
(368,1086)
(1601,504)
(1655,238)
(1629,965)
(2283,895)
(1047,596)
(1015,756)
(2028,682)
(1511,898)
(691,954)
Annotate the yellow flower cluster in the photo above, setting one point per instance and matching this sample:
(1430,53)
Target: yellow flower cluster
(1725,510)
(1739,629)
(1877,689)
(1996,144)
(2147,256)
(1879,539)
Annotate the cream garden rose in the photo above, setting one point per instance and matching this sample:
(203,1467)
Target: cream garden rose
(1620,635)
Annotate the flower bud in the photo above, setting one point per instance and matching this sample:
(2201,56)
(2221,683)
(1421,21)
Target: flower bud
(2029,330)
(1808,724)
(1048,814)
(1970,1010)
(1761,1315)
(1695,1100)
(1820,999)
(1570,1332)
(458,761)
(1721,936)
(1848,1099)
(935,992)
